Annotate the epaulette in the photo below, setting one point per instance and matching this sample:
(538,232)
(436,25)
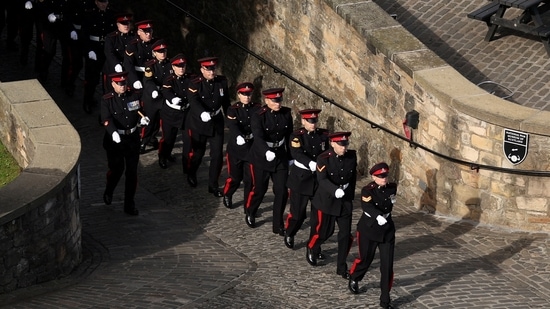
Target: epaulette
(134,41)
(391,185)
(150,62)
(108,95)
(262,110)
(221,77)
(300,131)
(326,154)
(235,106)
(197,79)
(171,77)
(323,131)
(371,185)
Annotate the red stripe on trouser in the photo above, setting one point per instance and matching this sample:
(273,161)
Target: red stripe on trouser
(190,154)
(287,221)
(228,180)
(358,259)
(313,239)
(391,281)
(253,188)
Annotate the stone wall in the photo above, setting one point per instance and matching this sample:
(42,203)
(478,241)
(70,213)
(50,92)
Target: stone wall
(357,55)
(40,229)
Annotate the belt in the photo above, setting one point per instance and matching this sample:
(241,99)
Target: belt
(77,27)
(248,136)
(300,165)
(275,144)
(344,186)
(176,106)
(383,215)
(212,114)
(97,38)
(139,69)
(127,132)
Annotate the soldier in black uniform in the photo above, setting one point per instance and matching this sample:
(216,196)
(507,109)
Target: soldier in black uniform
(306,144)
(116,43)
(376,229)
(332,202)
(71,67)
(120,116)
(209,100)
(269,156)
(156,70)
(138,52)
(27,21)
(240,139)
(9,14)
(98,23)
(175,107)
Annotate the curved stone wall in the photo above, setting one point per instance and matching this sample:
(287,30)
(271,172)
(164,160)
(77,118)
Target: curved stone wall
(40,229)
(357,55)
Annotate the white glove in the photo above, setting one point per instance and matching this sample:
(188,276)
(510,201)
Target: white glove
(339,193)
(137,85)
(312,166)
(144,121)
(205,116)
(269,155)
(74,35)
(116,137)
(92,55)
(176,100)
(52,18)
(381,220)
(154,94)
(118,68)
(240,140)
(28,5)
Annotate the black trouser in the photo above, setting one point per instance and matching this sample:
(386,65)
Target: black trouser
(92,75)
(50,35)
(238,170)
(298,213)
(260,183)
(194,148)
(367,250)
(122,157)
(150,131)
(171,121)
(72,63)
(324,229)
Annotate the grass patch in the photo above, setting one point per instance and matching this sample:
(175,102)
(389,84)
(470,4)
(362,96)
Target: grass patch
(9,169)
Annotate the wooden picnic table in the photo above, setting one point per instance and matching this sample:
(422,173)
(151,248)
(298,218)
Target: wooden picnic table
(529,21)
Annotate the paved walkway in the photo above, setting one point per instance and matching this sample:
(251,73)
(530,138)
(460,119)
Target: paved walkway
(186,250)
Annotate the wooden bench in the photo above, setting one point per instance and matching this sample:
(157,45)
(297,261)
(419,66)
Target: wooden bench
(484,13)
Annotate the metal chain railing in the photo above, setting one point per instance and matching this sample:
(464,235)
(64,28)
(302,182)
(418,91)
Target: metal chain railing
(471,165)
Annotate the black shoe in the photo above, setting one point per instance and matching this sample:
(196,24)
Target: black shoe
(353,286)
(162,163)
(215,191)
(310,257)
(280,231)
(344,275)
(386,306)
(142,149)
(250,221)
(192,180)
(321,256)
(107,198)
(289,242)
(132,211)
(228,201)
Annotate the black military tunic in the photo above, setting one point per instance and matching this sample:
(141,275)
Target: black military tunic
(155,73)
(173,115)
(119,112)
(238,168)
(271,131)
(334,172)
(136,55)
(210,96)
(115,48)
(376,201)
(305,147)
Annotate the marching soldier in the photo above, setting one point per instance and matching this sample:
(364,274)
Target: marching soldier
(332,202)
(306,144)
(240,139)
(156,71)
(120,116)
(376,229)
(209,100)
(116,43)
(175,107)
(269,156)
(98,23)
(138,52)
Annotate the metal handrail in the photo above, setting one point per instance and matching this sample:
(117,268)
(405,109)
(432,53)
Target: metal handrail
(471,165)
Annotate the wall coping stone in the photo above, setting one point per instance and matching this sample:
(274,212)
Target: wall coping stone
(55,147)
(385,35)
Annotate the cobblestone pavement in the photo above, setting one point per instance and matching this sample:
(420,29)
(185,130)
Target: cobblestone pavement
(516,61)
(186,250)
